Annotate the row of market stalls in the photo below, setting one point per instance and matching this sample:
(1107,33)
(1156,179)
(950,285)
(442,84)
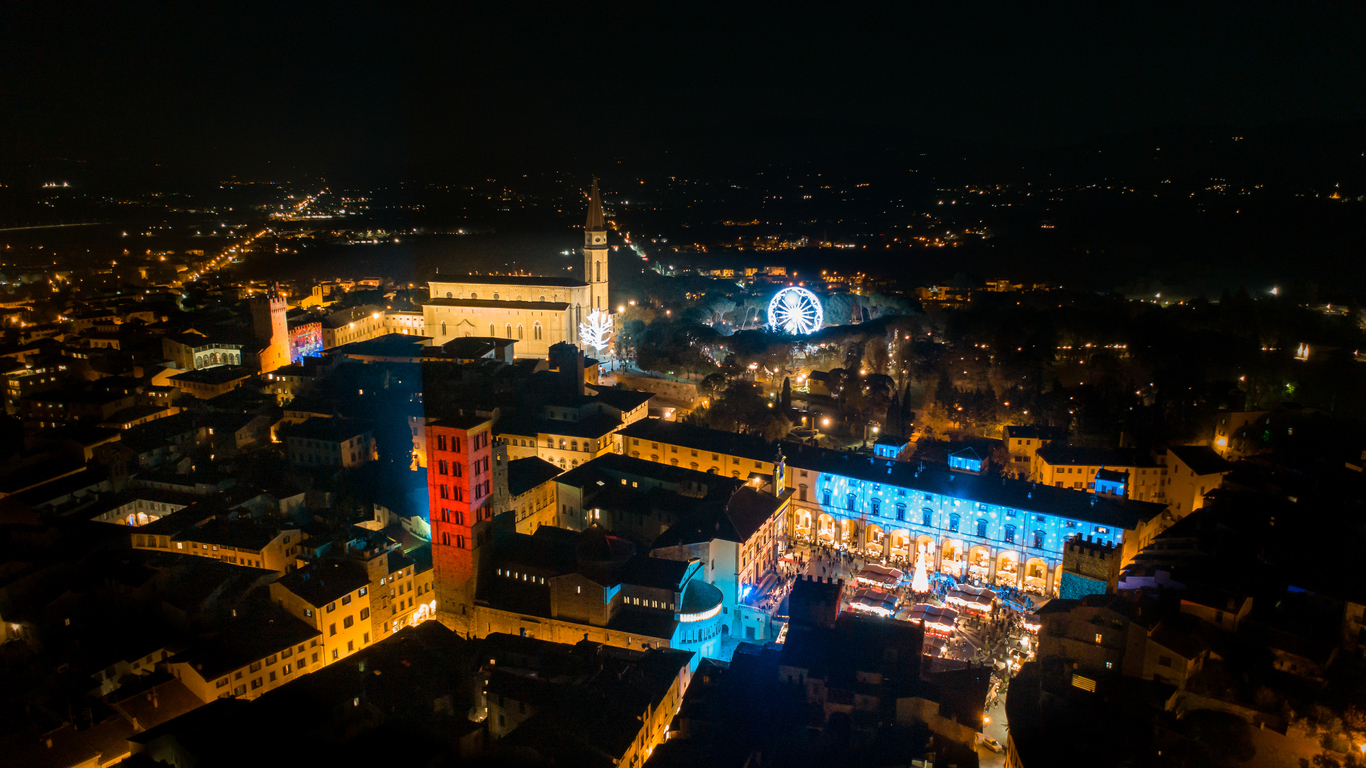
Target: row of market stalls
(878,590)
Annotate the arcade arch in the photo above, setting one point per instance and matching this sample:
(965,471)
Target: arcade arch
(951,559)
(1008,569)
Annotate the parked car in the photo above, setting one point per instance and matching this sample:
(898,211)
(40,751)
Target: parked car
(992,744)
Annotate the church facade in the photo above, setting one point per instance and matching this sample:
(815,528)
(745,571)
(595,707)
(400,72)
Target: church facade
(535,312)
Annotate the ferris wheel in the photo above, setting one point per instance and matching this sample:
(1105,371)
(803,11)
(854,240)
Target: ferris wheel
(796,311)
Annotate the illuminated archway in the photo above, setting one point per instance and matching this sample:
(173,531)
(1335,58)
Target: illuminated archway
(900,544)
(1008,569)
(979,562)
(1036,574)
(873,540)
(825,529)
(952,557)
(849,532)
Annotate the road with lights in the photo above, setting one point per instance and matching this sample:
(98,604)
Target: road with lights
(227,254)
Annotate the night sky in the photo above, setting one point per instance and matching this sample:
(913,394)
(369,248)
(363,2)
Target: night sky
(336,89)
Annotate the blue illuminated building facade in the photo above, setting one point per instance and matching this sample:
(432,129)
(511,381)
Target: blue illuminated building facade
(1112,482)
(966,460)
(983,528)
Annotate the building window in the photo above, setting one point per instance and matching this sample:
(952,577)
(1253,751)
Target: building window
(331,630)
(900,511)
(825,498)
(348,622)
(1010,534)
(536,330)
(953,523)
(1098,638)
(1038,539)
(849,502)
(877,507)
(927,517)
(346,600)
(982,529)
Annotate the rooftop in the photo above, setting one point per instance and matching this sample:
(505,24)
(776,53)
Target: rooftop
(701,438)
(526,474)
(1077,455)
(348,316)
(490,304)
(218,374)
(240,533)
(322,582)
(1035,432)
(526,280)
(1200,458)
(251,639)
(329,430)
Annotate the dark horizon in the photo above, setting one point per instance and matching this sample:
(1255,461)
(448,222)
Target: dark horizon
(416,96)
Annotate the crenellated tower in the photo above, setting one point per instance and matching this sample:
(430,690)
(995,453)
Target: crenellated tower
(271,327)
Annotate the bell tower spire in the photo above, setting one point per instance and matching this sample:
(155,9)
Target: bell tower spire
(595,251)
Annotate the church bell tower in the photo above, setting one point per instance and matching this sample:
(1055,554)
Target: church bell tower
(595,252)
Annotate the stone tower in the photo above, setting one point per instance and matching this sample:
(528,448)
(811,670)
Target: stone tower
(1088,568)
(595,252)
(271,328)
(459,489)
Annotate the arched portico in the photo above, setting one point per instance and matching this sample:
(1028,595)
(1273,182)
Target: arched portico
(900,544)
(802,525)
(874,540)
(979,562)
(927,545)
(849,533)
(951,558)
(1036,574)
(1008,569)
(825,529)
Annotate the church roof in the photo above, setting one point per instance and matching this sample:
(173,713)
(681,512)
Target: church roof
(527,280)
(490,304)
(595,217)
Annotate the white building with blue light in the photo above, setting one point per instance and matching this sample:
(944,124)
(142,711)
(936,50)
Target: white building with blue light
(973,527)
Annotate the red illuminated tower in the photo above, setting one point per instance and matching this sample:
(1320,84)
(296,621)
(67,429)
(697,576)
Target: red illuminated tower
(459,485)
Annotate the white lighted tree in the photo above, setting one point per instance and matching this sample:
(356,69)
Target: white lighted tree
(597,332)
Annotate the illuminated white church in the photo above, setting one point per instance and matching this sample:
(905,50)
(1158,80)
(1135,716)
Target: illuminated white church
(536,312)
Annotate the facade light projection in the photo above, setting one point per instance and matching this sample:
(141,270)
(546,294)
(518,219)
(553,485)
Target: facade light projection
(958,537)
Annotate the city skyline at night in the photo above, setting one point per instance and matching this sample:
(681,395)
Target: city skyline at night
(757,386)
